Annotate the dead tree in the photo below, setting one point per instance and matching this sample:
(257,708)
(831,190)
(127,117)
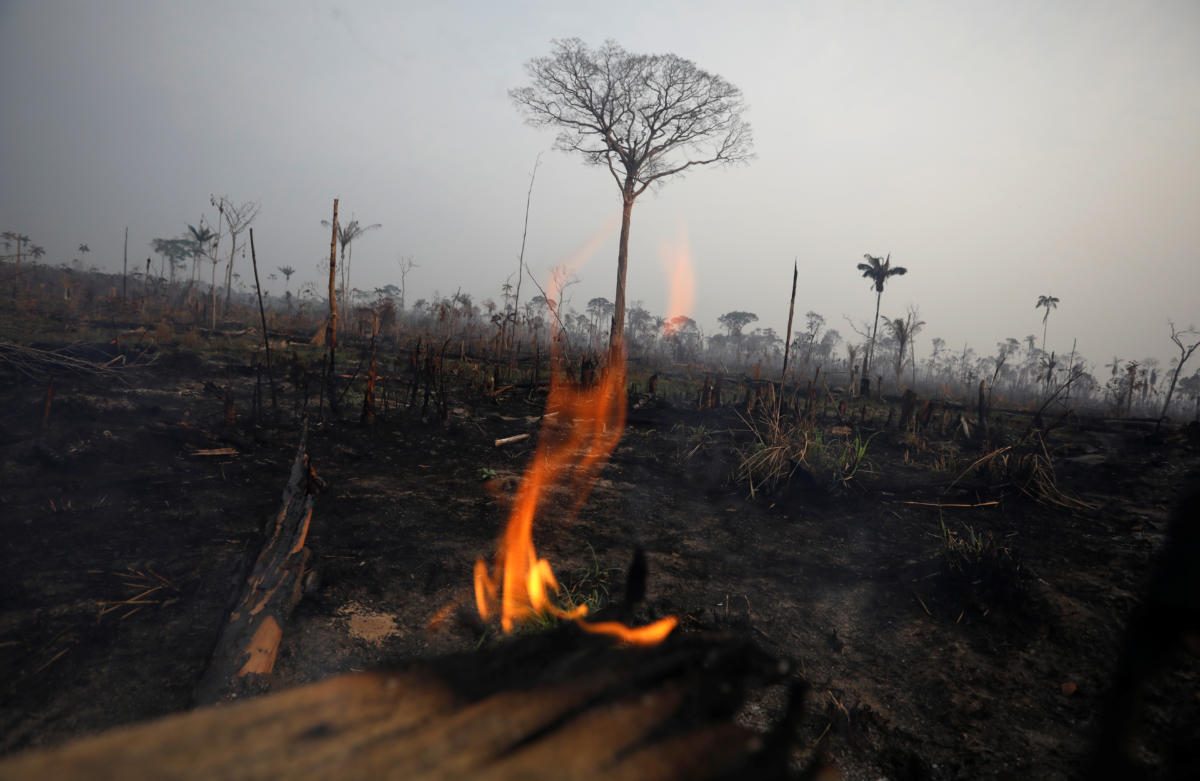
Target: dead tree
(331,326)
(1185,352)
(238,219)
(643,117)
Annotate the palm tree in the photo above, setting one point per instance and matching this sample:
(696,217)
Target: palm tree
(287,272)
(199,237)
(173,251)
(20,239)
(1050,302)
(878,272)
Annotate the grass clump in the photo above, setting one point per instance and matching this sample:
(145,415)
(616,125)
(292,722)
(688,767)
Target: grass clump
(983,571)
(783,448)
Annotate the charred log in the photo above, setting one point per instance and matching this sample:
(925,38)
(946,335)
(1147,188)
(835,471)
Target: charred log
(245,651)
(560,705)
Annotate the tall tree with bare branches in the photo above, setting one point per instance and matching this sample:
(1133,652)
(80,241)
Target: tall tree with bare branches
(1185,352)
(237,219)
(643,117)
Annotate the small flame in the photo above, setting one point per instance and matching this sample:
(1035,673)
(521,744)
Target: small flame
(571,451)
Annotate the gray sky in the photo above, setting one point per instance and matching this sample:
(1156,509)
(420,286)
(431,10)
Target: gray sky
(999,151)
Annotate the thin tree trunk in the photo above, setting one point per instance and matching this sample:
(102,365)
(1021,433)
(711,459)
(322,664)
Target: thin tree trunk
(229,270)
(17,271)
(521,258)
(616,337)
(263,316)
(347,302)
(866,375)
(125,268)
(331,327)
(212,289)
(1184,354)
(1070,369)
(213,258)
(787,342)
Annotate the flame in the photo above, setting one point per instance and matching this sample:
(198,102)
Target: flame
(580,429)
(676,259)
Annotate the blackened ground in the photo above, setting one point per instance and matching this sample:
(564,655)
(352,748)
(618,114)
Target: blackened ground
(129,519)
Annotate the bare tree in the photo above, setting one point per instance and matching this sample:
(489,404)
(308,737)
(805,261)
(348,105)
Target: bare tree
(407,264)
(520,263)
(331,326)
(643,117)
(1185,352)
(238,218)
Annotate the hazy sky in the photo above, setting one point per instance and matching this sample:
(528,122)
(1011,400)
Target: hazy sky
(999,151)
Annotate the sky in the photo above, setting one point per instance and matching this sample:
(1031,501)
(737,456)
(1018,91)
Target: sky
(998,151)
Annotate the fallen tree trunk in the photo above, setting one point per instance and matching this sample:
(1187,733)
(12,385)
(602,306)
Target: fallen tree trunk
(245,651)
(553,706)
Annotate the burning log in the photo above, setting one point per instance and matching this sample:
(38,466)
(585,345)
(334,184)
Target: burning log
(245,651)
(560,705)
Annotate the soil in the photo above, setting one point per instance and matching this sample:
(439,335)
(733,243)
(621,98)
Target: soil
(132,510)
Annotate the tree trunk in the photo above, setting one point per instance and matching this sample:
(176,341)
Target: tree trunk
(17,272)
(331,326)
(263,317)
(229,271)
(616,337)
(212,289)
(1184,354)
(865,390)
(347,303)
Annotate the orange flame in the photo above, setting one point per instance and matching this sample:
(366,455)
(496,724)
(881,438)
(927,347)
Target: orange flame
(572,449)
(677,263)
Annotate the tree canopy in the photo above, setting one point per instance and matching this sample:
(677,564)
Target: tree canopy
(734,322)
(643,117)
